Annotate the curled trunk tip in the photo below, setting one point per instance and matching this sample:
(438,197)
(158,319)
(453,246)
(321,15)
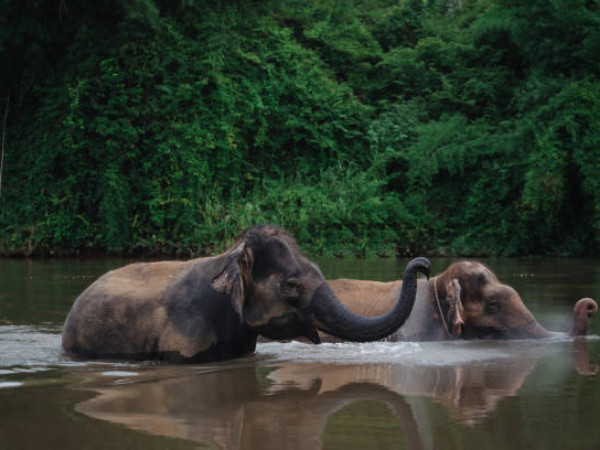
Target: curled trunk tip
(582,311)
(419,264)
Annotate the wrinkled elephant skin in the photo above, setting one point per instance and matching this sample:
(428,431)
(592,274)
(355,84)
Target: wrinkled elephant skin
(214,308)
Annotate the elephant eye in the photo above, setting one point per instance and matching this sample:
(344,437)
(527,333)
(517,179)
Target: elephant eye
(291,287)
(493,306)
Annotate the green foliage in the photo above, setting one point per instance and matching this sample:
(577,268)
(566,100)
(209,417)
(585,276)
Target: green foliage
(362,126)
(343,213)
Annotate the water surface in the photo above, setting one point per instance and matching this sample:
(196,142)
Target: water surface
(449,395)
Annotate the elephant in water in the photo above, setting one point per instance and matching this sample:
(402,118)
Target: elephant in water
(465,301)
(214,308)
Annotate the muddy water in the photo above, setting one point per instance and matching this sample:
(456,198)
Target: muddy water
(453,395)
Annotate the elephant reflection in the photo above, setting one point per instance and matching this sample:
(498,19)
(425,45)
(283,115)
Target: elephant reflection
(469,392)
(290,406)
(230,409)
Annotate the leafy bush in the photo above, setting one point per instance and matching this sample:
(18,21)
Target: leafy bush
(364,127)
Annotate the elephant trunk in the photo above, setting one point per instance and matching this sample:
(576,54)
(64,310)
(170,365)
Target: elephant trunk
(334,318)
(582,311)
(533,330)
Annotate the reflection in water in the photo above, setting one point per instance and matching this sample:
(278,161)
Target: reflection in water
(230,409)
(289,404)
(490,395)
(583,363)
(469,393)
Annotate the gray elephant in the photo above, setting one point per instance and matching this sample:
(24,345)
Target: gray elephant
(214,308)
(465,301)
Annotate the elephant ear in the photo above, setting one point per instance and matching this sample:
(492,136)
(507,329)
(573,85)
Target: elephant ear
(233,277)
(456,311)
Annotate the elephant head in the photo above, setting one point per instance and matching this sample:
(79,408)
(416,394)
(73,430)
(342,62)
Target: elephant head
(214,308)
(280,294)
(473,303)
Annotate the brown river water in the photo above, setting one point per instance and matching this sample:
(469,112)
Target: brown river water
(451,395)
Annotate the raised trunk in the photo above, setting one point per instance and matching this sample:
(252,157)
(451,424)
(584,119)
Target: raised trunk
(334,318)
(582,311)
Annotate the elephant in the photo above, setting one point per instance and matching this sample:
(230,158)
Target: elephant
(465,301)
(214,308)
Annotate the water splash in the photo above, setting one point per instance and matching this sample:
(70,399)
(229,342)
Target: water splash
(10,384)
(28,349)
(444,353)
(119,373)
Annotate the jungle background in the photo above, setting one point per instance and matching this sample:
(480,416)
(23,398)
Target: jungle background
(462,127)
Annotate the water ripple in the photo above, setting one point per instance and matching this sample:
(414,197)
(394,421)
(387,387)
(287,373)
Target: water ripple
(28,348)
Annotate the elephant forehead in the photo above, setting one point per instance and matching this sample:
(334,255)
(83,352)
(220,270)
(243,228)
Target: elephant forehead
(501,293)
(472,272)
(498,291)
(275,257)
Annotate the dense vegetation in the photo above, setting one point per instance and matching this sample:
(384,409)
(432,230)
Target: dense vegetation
(362,126)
